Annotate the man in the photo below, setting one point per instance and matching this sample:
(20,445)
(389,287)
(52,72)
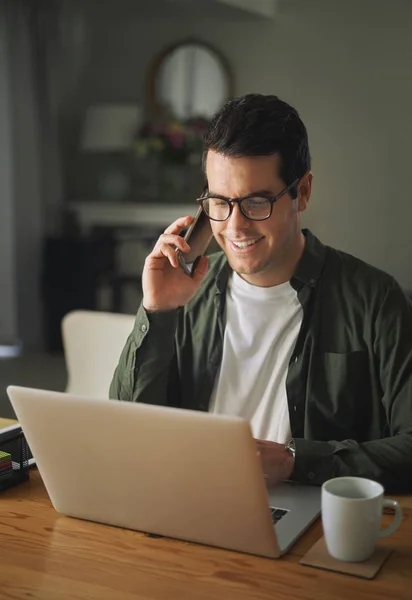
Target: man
(311,345)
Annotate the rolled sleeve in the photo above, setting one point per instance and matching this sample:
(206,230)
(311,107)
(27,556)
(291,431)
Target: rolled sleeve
(161,325)
(142,372)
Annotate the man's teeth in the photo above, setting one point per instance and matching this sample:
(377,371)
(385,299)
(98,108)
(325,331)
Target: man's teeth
(245,244)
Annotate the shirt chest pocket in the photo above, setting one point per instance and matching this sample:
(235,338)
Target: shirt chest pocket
(338,394)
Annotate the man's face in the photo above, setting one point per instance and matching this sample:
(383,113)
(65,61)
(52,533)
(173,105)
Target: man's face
(274,245)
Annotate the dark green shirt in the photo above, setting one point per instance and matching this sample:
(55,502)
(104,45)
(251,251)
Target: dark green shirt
(349,382)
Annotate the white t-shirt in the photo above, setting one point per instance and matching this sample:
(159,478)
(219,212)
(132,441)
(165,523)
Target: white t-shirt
(262,325)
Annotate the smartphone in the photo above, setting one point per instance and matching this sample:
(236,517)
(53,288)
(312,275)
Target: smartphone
(198,236)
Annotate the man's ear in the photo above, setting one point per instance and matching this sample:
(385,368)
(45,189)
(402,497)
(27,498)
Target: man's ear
(304,191)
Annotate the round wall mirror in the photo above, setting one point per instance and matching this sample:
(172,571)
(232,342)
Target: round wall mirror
(189,80)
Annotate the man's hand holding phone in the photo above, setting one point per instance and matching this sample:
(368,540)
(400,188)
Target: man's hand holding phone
(165,285)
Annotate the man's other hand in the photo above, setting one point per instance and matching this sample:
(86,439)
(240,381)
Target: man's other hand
(277,463)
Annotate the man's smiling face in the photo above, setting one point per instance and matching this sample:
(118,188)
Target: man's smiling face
(261,252)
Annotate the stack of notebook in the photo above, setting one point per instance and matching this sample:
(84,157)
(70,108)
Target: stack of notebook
(6,466)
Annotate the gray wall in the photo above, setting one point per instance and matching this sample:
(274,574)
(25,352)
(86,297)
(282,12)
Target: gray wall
(346,66)
(21,201)
(8,308)
(28,197)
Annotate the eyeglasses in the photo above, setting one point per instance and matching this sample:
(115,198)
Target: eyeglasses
(255,208)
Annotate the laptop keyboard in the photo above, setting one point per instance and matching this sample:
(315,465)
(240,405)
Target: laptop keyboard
(277,514)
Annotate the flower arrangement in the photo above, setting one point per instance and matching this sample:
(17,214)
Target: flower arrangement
(172,141)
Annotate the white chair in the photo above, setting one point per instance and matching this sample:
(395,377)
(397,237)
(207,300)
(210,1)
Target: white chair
(92,343)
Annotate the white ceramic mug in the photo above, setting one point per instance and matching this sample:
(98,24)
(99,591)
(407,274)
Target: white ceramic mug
(351,517)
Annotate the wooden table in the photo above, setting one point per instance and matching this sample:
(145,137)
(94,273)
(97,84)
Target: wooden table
(46,556)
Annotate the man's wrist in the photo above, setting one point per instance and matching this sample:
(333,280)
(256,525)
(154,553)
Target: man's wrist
(160,309)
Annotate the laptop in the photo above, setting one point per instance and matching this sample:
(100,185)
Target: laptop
(166,471)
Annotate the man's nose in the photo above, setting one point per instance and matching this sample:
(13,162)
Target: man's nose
(237,219)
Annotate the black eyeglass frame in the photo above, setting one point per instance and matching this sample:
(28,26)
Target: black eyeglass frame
(238,201)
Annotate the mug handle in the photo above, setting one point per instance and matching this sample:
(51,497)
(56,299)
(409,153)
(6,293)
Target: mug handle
(396,521)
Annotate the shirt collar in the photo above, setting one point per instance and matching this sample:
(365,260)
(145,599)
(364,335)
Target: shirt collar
(307,272)
(311,262)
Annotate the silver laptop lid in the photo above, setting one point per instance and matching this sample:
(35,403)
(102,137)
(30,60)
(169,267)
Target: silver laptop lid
(167,471)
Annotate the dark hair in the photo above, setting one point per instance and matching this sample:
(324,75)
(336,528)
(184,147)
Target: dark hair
(256,125)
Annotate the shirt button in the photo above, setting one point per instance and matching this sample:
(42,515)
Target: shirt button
(295,408)
(311,475)
(143,328)
(295,360)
